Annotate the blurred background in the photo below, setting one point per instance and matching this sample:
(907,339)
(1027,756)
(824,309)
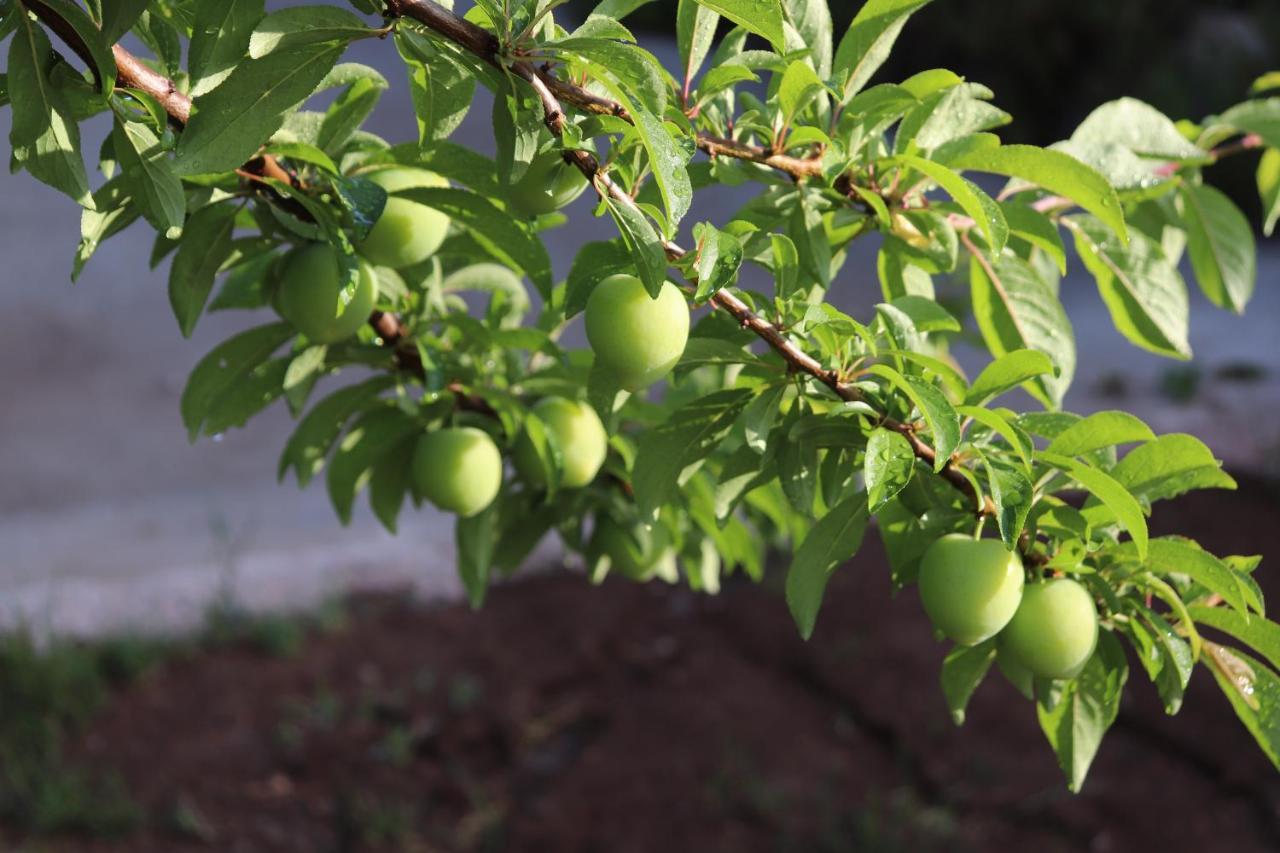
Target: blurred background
(292,716)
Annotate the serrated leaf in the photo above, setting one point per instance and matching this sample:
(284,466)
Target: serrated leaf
(1016,310)
(870,37)
(887,467)
(1101,429)
(1037,229)
(149,174)
(442,87)
(224,367)
(206,244)
(1086,708)
(1143,290)
(1221,246)
(43,132)
(642,242)
(835,538)
(979,206)
(230,122)
(1008,372)
(762,17)
(1169,466)
(1054,171)
(1174,556)
(494,229)
(1113,494)
(304,26)
(1137,126)
(219,40)
(1260,634)
(962,671)
(371,436)
(685,437)
(1254,693)
(315,434)
(938,413)
(695,32)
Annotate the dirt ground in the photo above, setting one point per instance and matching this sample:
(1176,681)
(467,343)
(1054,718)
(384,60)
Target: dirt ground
(643,718)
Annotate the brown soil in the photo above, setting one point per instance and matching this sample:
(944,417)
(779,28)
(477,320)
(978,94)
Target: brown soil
(641,718)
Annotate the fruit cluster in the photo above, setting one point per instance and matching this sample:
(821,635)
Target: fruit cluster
(635,338)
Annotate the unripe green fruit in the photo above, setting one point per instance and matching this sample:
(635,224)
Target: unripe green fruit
(547,185)
(308,290)
(970,587)
(576,429)
(636,338)
(407,232)
(457,469)
(1055,629)
(641,560)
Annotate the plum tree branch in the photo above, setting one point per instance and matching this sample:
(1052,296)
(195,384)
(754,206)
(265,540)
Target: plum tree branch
(485,46)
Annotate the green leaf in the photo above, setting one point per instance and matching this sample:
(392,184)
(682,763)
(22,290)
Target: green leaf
(226,366)
(251,393)
(43,132)
(113,211)
(962,671)
(1000,425)
(667,159)
(1174,556)
(718,260)
(1037,229)
(1258,116)
(442,87)
(623,65)
(868,41)
(206,244)
(941,417)
(762,17)
(1269,188)
(219,40)
(812,22)
(1254,692)
(304,26)
(887,467)
(685,437)
(834,539)
(1113,494)
(979,206)
(642,242)
(926,314)
(496,230)
(1143,290)
(389,482)
(1016,310)
(118,17)
(1087,706)
(1006,373)
(104,64)
(1137,126)
(315,434)
(1054,171)
(1101,429)
(149,174)
(695,32)
(1220,243)
(1013,494)
(1261,634)
(476,537)
(1169,466)
(350,109)
(371,436)
(799,86)
(230,122)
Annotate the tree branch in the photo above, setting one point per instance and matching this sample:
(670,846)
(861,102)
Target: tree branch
(485,47)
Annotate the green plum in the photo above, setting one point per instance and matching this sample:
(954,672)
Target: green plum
(970,587)
(636,338)
(640,558)
(308,290)
(459,469)
(547,185)
(407,232)
(576,429)
(1055,629)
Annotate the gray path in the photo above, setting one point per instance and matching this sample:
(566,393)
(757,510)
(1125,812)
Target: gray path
(109,518)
